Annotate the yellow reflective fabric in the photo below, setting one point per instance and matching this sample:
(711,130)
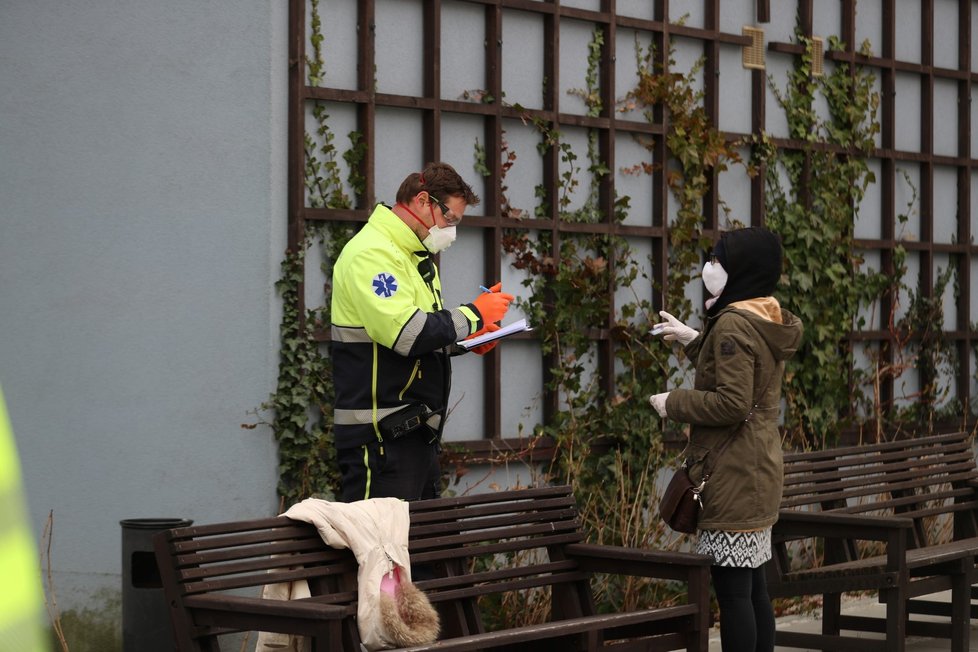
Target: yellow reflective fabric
(375,280)
(21,599)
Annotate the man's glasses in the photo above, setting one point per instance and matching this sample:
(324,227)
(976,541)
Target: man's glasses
(446,212)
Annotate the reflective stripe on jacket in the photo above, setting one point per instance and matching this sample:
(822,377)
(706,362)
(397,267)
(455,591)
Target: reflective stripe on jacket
(391,337)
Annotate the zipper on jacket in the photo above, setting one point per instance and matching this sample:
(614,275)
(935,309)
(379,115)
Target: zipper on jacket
(415,373)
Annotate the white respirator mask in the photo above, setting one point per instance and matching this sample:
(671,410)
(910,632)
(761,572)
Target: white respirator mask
(439,239)
(715,279)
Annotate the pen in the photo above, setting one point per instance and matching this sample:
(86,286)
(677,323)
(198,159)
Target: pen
(485,289)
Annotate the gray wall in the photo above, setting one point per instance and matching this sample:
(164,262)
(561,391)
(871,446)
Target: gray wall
(142,220)
(142,223)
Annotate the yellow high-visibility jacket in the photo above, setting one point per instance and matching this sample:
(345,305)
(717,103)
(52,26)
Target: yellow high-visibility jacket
(22,598)
(391,337)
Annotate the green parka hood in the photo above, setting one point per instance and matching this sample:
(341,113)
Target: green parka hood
(783,337)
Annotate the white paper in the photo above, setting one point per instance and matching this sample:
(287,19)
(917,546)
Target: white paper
(515,327)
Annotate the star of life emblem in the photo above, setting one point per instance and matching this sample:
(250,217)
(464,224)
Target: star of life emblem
(385,285)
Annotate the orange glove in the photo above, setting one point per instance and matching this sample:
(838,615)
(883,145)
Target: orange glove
(492,306)
(485,348)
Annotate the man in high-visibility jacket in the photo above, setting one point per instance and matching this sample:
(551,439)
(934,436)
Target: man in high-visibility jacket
(392,339)
(21,598)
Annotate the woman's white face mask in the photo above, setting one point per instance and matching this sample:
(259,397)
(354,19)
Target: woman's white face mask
(714,278)
(439,239)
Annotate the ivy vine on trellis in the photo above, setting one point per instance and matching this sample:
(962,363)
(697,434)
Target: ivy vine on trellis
(812,198)
(610,446)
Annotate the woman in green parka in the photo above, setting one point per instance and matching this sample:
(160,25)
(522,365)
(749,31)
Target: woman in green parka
(739,359)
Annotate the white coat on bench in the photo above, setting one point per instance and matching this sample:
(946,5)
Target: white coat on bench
(391,612)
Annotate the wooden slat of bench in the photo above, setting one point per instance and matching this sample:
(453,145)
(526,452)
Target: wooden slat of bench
(879,503)
(801,464)
(457,528)
(488,527)
(445,511)
(828,491)
(229,527)
(233,613)
(536,495)
(274,529)
(230,555)
(859,449)
(872,463)
(818,461)
(942,553)
(261,579)
(917,558)
(485,526)
(880,496)
(927,505)
(485,577)
(855,474)
(256,580)
(502,639)
(312,608)
(564,519)
(465,535)
(521,582)
(265,564)
(869,473)
(638,562)
(445,553)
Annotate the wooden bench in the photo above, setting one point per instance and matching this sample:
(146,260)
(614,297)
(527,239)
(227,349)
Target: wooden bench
(205,568)
(897,518)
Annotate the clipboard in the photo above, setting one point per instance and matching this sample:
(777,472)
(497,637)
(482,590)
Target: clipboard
(516,327)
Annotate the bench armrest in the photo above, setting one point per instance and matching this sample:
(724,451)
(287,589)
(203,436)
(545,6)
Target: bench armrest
(636,561)
(323,622)
(833,524)
(892,530)
(693,570)
(306,609)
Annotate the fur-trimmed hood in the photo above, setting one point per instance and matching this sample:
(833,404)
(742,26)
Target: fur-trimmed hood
(391,611)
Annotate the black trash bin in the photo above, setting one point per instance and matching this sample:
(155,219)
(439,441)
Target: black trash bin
(145,617)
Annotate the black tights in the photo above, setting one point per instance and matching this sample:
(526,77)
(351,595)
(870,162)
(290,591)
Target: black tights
(746,614)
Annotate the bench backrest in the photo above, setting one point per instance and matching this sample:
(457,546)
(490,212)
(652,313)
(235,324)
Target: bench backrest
(914,478)
(246,554)
(462,549)
(487,546)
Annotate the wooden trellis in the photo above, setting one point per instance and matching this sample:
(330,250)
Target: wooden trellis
(609,125)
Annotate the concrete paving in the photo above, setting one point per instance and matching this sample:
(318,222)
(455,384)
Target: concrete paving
(864,607)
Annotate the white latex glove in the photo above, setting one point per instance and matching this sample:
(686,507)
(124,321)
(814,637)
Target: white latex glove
(658,401)
(673,329)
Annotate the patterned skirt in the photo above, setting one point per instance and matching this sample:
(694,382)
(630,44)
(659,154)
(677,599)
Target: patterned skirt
(737,549)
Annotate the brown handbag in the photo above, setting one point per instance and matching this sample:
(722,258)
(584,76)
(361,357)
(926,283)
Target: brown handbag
(681,503)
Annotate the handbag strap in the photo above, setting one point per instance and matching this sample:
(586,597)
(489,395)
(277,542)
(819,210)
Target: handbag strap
(719,451)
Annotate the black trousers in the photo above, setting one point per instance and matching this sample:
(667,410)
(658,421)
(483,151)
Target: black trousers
(405,468)
(746,615)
